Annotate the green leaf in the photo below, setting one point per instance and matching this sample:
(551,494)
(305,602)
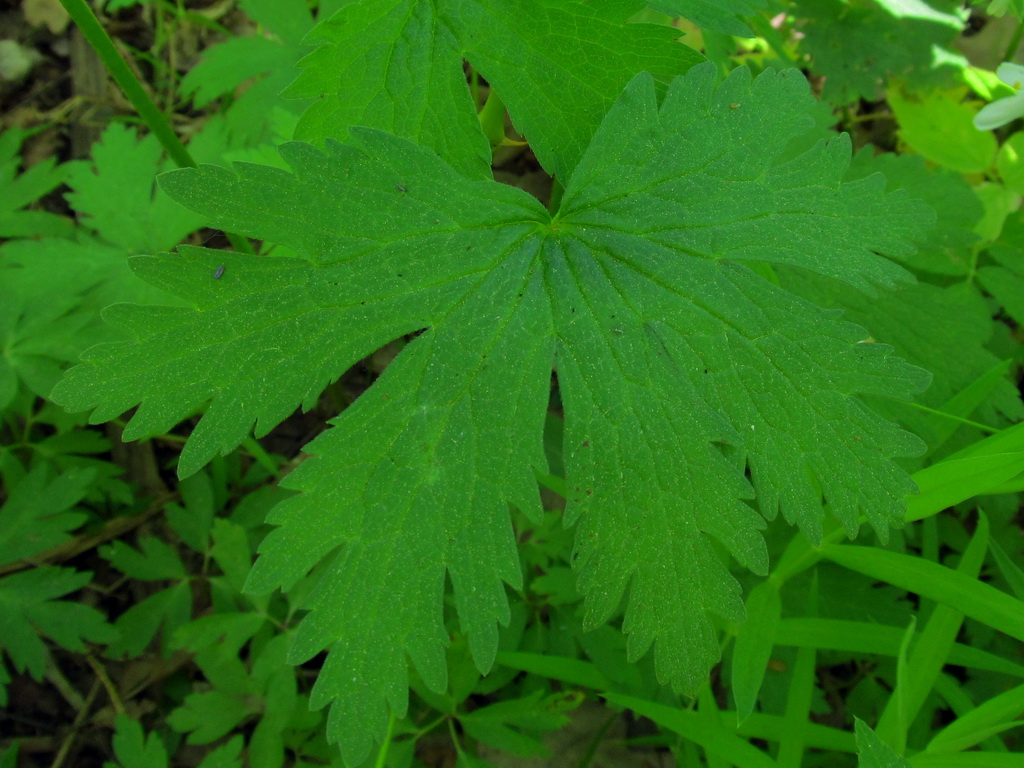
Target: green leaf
(572,671)
(952,481)
(930,650)
(862,637)
(754,642)
(194,520)
(557,58)
(717,740)
(875,753)
(114,193)
(940,126)
(720,15)
(969,596)
(155,562)
(253,71)
(40,331)
(38,513)
(679,367)
(994,716)
(859,47)
(967,760)
(946,247)
(408,44)
(1010,164)
(170,608)
(943,330)
(564,58)
(19,191)
(29,608)
(208,716)
(228,755)
(501,724)
(133,749)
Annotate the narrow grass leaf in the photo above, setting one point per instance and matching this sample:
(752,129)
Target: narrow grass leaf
(1010,570)
(572,671)
(720,741)
(769,728)
(707,708)
(967,760)
(973,598)
(754,642)
(954,480)
(801,693)
(963,404)
(995,715)
(865,637)
(931,651)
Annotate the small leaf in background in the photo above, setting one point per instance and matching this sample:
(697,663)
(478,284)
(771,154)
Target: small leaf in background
(872,752)
(506,725)
(153,561)
(39,512)
(719,15)
(41,332)
(1010,162)
(250,72)
(29,609)
(940,126)
(227,755)
(168,609)
(17,192)
(755,639)
(194,521)
(115,194)
(134,749)
(859,48)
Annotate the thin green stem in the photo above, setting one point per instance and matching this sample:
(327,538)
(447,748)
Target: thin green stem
(951,417)
(97,37)
(385,747)
(118,68)
(1011,49)
(492,118)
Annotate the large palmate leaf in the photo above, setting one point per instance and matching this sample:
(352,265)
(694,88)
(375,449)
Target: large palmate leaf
(691,383)
(546,58)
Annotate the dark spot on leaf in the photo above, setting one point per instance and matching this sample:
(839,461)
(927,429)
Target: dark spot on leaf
(400,188)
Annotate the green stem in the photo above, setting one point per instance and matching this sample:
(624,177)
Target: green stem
(1011,49)
(385,747)
(118,68)
(492,118)
(97,36)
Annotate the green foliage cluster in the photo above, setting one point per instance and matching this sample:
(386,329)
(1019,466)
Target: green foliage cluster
(764,344)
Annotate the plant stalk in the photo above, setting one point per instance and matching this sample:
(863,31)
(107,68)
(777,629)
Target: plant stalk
(118,68)
(97,37)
